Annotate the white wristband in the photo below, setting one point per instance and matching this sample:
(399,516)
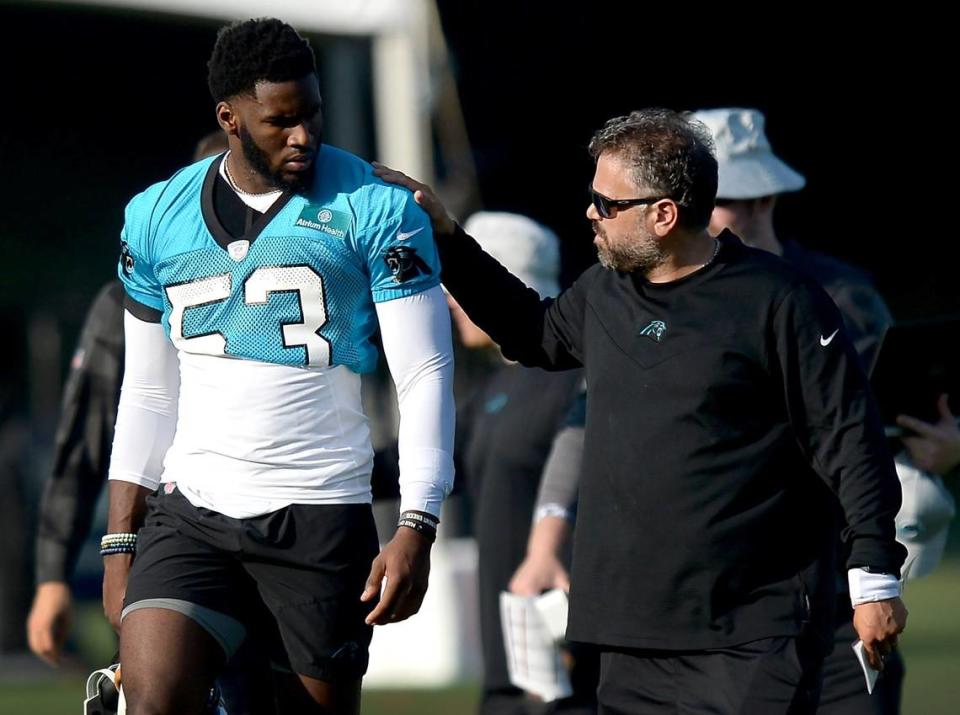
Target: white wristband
(866,587)
(551,509)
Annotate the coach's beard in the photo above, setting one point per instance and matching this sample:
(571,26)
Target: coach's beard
(642,254)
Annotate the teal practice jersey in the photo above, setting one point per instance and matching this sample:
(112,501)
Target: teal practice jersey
(299,287)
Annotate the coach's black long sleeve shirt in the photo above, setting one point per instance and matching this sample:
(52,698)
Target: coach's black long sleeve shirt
(716,402)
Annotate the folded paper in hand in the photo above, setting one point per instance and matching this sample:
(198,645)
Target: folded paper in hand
(868,671)
(532,626)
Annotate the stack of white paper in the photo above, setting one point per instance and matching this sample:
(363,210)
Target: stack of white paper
(532,625)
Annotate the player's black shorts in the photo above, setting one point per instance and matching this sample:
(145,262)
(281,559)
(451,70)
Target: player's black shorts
(306,563)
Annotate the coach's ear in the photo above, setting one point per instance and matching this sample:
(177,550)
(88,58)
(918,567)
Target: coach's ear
(227,118)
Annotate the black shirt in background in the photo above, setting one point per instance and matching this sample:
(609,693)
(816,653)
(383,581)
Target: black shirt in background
(84,438)
(504,434)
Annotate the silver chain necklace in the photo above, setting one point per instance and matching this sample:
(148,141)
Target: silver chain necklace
(233,184)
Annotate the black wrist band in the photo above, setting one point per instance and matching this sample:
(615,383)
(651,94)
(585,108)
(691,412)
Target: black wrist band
(422,516)
(421,522)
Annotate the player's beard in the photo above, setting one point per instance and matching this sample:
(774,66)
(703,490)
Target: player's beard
(258,160)
(642,254)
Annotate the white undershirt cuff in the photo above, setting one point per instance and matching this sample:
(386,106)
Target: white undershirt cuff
(866,587)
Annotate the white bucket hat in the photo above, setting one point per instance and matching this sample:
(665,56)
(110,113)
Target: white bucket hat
(748,167)
(529,250)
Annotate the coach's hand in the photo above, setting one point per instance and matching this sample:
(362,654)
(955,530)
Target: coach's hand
(443,224)
(116,568)
(405,565)
(49,621)
(878,624)
(542,569)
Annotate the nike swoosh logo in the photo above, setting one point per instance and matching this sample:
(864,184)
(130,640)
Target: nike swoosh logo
(401,236)
(826,341)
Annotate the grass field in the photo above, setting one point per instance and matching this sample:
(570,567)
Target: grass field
(65,698)
(931,643)
(931,648)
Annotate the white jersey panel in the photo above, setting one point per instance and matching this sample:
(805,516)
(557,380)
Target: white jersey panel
(253,437)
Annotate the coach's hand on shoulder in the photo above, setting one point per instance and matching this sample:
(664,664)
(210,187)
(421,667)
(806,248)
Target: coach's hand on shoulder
(405,565)
(116,568)
(878,624)
(443,224)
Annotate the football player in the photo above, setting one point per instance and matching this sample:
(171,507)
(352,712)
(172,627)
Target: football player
(241,463)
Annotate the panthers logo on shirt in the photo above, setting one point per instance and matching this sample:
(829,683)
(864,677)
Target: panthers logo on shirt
(655,330)
(303,292)
(404,263)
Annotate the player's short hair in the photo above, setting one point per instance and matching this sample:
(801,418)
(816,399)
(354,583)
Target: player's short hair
(668,154)
(260,50)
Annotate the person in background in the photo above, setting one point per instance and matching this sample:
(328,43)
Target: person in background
(16,470)
(546,562)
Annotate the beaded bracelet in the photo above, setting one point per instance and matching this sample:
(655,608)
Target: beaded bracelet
(118,550)
(119,543)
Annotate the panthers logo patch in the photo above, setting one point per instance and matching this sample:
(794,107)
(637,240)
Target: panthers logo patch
(655,330)
(126,259)
(404,263)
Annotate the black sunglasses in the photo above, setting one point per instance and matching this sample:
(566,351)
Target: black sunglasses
(607,207)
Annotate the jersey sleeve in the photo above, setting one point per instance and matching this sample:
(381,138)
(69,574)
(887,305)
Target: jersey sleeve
(135,268)
(400,253)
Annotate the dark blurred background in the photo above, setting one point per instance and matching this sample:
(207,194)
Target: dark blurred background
(98,104)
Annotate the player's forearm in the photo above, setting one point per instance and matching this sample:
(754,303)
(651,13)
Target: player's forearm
(128,506)
(425,444)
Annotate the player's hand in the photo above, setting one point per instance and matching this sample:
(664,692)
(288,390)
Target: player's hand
(878,624)
(404,564)
(538,573)
(443,224)
(933,447)
(116,569)
(49,621)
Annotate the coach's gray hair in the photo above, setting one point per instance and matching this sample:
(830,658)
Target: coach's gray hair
(669,154)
